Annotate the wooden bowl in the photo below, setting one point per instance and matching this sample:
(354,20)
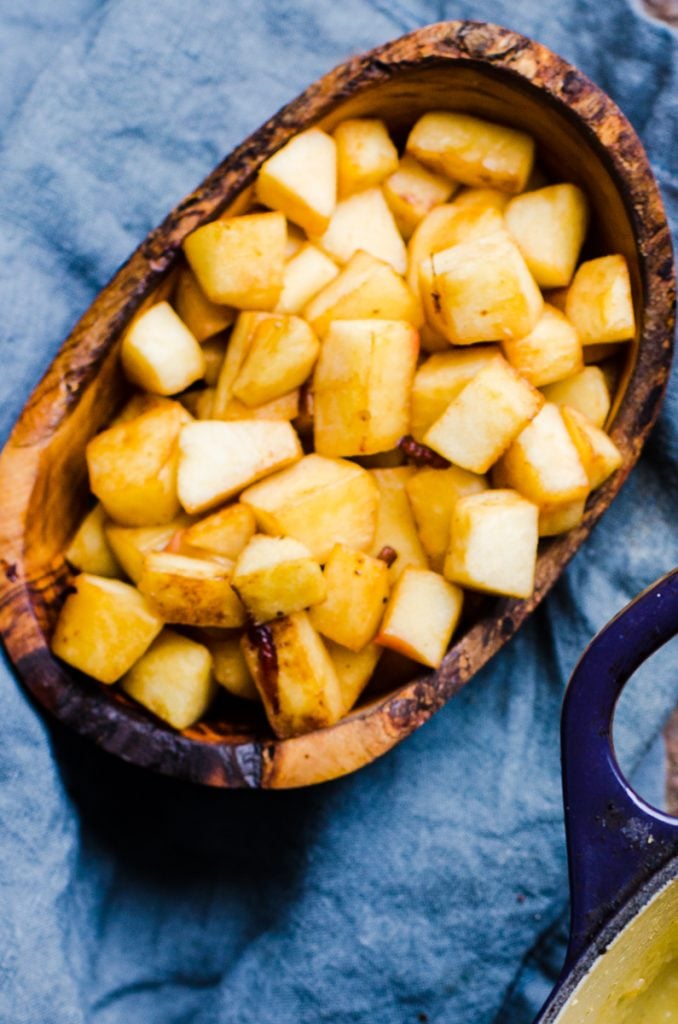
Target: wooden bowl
(469,66)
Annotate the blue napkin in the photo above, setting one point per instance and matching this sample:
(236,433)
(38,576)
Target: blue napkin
(432,885)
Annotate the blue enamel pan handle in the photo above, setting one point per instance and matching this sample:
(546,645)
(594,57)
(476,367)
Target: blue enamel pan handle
(615,840)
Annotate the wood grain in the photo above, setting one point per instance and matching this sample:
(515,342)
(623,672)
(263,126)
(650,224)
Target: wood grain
(582,137)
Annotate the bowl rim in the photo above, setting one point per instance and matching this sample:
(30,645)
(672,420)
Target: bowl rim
(375,728)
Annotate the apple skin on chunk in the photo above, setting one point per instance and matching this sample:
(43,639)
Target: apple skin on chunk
(191,591)
(357,591)
(364,222)
(421,616)
(599,301)
(217,459)
(159,353)
(300,180)
(294,675)
(104,627)
(275,576)
(362,386)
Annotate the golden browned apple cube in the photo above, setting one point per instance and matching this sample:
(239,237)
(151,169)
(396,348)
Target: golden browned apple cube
(365,154)
(412,191)
(353,669)
(485,417)
(159,353)
(229,666)
(191,591)
(239,261)
(275,576)
(202,317)
(448,225)
(294,675)
(473,151)
(321,502)
(599,301)
(421,616)
(104,627)
(237,349)
(367,288)
(362,386)
(89,550)
(396,538)
(173,679)
(586,391)
(139,403)
(549,225)
(364,221)
(433,493)
(133,467)
(493,543)
(480,291)
(550,351)
(357,591)
(284,408)
(556,519)
(281,355)
(224,533)
(214,352)
(306,273)
(131,544)
(543,463)
(597,451)
(300,180)
(217,459)
(440,379)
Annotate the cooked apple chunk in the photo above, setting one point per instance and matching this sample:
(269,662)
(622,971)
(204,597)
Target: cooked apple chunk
(239,261)
(473,151)
(217,459)
(493,543)
(421,616)
(412,191)
(353,668)
(280,358)
(173,679)
(321,502)
(294,675)
(485,417)
(159,353)
(586,391)
(306,273)
(480,291)
(300,180)
(202,317)
(104,627)
(236,353)
(276,576)
(599,301)
(597,451)
(284,408)
(357,591)
(224,533)
(89,550)
(440,379)
(131,544)
(365,154)
(549,225)
(448,225)
(362,386)
(191,591)
(133,467)
(366,289)
(433,493)
(396,533)
(364,221)
(550,351)
(229,665)
(555,519)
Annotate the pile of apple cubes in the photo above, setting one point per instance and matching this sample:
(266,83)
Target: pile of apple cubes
(356,539)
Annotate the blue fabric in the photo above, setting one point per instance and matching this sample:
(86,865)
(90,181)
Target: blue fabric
(431,885)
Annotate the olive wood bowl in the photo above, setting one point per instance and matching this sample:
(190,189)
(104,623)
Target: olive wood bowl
(470,66)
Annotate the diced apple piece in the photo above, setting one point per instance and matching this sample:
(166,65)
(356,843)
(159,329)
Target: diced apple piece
(353,668)
(294,675)
(276,576)
(224,533)
(202,317)
(362,386)
(237,350)
(173,679)
(396,528)
(440,379)
(229,666)
(543,463)
(138,404)
(493,545)
(104,627)
(131,544)
(433,493)
(473,151)
(550,351)
(365,154)
(301,180)
(214,351)
(133,467)
(485,417)
(421,616)
(191,591)
(599,301)
(480,291)
(412,191)
(89,550)
(239,261)
(556,519)
(549,226)
(217,459)
(367,288)
(357,591)
(280,358)
(481,199)
(309,271)
(597,451)
(321,502)
(296,240)
(585,391)
(364,221)
(284,408)
(159,353)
